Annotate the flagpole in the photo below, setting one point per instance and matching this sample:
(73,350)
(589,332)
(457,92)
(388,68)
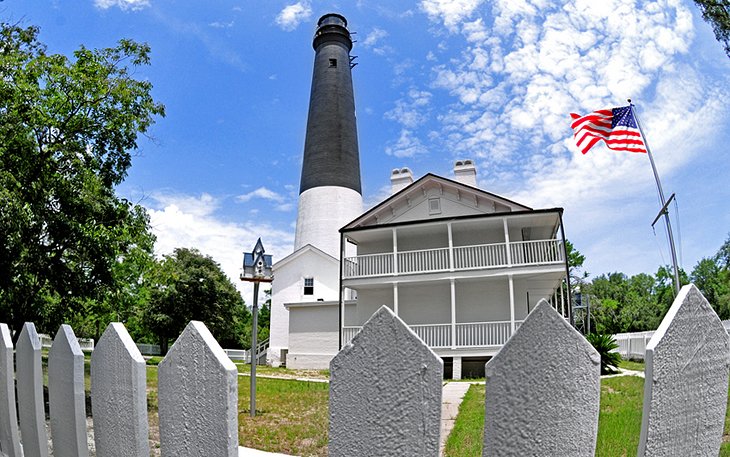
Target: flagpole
(664,202)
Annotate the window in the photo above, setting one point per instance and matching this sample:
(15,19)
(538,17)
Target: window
(308,286)
(434,206)
(333,63)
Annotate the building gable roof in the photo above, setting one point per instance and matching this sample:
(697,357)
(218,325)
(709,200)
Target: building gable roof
(471,199)
(302,251)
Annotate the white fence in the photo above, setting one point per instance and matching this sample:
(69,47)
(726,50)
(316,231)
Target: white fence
(385,391)
(633,345)
(86,344)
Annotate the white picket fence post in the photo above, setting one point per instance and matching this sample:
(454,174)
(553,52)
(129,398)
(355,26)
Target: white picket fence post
(543,391)
(30,392)
(9,440)
(197,397)
(118,396)
(67,396)
(385,392)
(686,380)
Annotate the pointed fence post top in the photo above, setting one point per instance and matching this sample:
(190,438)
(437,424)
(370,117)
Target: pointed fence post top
(29,337)
(546,328)
(689,310)
(66,341)
(7,340)
(386,324)
(386,375)
(543,390)
(685,391)
(117,337)
(197,337)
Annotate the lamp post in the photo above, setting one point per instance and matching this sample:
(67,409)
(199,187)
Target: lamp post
(256,269)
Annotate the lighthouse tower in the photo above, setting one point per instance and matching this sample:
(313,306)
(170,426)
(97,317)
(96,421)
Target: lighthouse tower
(329,193)
(305,292)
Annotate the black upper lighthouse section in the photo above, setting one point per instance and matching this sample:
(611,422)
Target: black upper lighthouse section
(331,156)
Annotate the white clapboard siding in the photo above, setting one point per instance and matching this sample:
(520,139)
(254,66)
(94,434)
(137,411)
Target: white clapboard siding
(66,397)
(9,440)
(30,392)
(385,393)
(118,397)
(197,387)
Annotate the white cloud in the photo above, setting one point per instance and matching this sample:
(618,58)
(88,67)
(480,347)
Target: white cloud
(191,221)
(451,12)
(261,192)
(407,145)
(222,25)
(124,5)
(292,15)
(412,110)
(373,41)
(374,37)
(283,203)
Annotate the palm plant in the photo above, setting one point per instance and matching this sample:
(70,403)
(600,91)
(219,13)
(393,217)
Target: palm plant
(605,344)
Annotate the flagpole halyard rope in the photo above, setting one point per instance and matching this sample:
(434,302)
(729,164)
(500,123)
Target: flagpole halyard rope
(663,201)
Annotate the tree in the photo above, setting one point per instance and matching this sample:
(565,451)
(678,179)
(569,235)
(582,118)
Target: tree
(575,265)
(67,127)
(717,14)
(188,285)
(712,277)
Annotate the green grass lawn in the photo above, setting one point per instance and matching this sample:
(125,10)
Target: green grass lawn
(245,368)
(631,365)
(619,422)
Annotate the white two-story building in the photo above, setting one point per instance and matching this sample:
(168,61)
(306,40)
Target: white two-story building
(461,266)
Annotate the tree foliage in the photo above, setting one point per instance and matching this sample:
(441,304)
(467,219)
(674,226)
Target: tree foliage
(188,285)
(717,14)
(67,127)
(712,277)
(626,304)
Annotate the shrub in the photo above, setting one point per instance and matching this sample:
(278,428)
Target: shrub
(604,344)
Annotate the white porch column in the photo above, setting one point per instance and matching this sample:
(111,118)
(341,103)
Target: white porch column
(456,368)
(562,300)
(395,298)
(451,247)
(506,242)
(343,290)
(453,313)
(395,251)
(511,304)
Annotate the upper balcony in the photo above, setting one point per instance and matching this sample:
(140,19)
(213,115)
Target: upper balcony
(456,258)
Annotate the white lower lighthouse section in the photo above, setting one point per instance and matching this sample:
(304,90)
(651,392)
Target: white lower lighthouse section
(323,211)
(306,283)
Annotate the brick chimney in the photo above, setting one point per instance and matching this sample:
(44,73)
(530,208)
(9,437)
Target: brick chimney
(400,178)
(465,172)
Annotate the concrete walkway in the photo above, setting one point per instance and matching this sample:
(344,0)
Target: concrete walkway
(451,397)
(622,372)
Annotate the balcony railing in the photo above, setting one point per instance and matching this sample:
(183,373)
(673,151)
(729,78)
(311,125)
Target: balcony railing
(496,255)
(471,334)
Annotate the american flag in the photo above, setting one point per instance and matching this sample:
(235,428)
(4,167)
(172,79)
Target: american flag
(616,127)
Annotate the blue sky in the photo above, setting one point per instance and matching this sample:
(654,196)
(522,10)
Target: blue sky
(436,81)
